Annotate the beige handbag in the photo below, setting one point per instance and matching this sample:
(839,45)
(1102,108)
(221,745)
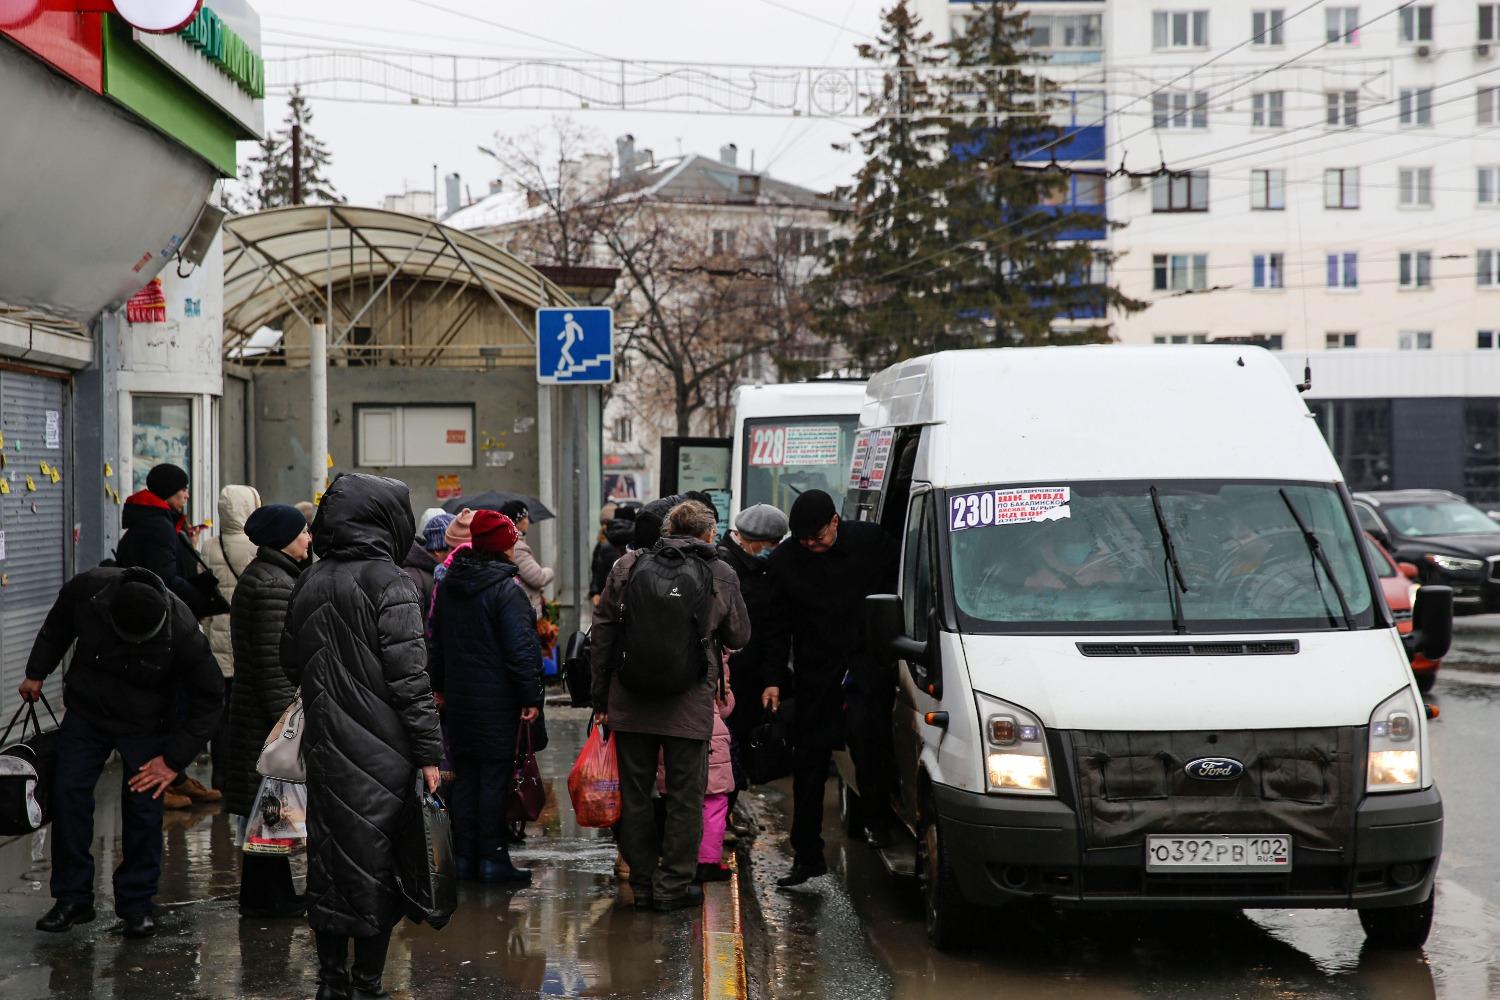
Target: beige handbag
(281,757)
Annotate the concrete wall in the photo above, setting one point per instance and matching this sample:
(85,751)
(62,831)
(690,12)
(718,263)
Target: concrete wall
(505,427)
(234,445)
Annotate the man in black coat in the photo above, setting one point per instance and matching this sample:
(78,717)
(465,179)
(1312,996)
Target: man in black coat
(157,537)
(353,642)
(819,584)
(144,683)
(486,662)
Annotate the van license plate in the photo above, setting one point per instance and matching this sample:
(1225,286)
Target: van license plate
(1219,853)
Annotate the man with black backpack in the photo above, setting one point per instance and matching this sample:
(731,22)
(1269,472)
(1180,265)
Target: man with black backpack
(664,618)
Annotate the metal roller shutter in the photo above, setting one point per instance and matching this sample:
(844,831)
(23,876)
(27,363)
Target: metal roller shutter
(34,522)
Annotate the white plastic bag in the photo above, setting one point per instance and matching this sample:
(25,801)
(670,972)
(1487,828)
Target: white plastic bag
(278,818)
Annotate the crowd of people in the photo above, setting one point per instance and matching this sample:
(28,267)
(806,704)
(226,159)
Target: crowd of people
(413,645)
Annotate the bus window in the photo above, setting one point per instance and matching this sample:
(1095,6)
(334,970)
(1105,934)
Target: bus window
(785,457)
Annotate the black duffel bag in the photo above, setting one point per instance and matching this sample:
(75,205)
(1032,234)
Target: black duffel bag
(769,753)
(26,770)
(578,671)
(425,865)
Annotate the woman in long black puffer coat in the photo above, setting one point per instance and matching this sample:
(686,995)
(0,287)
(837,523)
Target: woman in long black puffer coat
(261,693)
(487,663)
(353,642)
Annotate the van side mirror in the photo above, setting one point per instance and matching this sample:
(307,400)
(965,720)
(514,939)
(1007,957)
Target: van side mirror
(1409,570)
(1431,623)
(885,624)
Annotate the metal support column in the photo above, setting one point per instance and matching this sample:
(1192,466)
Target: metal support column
(317,376)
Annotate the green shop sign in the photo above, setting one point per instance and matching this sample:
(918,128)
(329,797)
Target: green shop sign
(227,50)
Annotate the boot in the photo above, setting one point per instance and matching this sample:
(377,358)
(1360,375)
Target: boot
(333,966)
(193,789)
(171,800)
(369,967)
(500,869)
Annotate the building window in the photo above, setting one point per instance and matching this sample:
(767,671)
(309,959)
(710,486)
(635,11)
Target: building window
(1180,338)
(1359,435)
(1265,27)
(1489,185)
(1179,29)
(1487,271)
(1340,341)
(1488,340)
(1341,187)
(1487,109)
(1067,37)
(1179,272)
(1416,269)
(1180,109)
(1414,340)
(1270,341)
(1268,109)
(1268,190)
(161,430)
(387,436)
(1415,186)
(1341,25)
(1343,269)
(1416,107)
(1078,107)
(1342,108)
(723,242)
(1267,271)
(799,241)
(1416,23)
(1187,192)
(1489,22)
(624,432)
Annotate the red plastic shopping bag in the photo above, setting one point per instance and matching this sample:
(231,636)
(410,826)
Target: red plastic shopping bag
(594,782)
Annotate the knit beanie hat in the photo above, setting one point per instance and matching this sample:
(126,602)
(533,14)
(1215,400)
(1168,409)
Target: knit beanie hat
(811,513)
(426,518)
(458,531)
(275,526)
(166,480)
(493,532)
(137,610)
(434,536)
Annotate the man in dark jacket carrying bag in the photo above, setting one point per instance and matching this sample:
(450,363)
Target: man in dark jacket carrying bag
(819,584)
(662,620)
(157,537)
(142,682)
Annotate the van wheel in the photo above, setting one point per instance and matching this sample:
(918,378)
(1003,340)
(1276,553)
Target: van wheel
(851,811)
(1425,680)
(949,916)
(1399,926)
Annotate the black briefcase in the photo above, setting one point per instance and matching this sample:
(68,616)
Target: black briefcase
(769,753)
(26,769)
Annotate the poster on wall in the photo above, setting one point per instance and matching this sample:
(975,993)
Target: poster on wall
(161,431)
(449,487)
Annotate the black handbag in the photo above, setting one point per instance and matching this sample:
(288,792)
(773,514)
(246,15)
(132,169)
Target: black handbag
(26,770)
(578,671)
(207,584)
(769,755)
(425,867)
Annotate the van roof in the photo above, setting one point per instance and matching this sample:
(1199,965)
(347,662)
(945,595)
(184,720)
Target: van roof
(794,399)
(1103,412)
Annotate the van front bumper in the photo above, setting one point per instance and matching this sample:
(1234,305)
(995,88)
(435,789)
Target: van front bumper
(1006,848)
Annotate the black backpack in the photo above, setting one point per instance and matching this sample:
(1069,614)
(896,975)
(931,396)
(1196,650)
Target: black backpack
(665,605)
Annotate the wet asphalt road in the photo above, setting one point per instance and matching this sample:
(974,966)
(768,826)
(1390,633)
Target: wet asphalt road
(562,936)
(859,934)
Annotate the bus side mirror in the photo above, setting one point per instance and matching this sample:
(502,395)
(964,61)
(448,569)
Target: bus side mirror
(1431,623)
(885,623)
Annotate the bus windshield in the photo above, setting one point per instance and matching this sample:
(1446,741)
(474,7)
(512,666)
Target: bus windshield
(787,456)
(1092,557)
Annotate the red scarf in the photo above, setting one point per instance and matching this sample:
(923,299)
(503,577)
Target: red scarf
(145,498)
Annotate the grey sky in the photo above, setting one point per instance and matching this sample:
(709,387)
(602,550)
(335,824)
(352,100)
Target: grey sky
(381,150)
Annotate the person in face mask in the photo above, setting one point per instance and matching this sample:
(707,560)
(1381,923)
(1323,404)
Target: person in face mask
(1070,557)
(756,533)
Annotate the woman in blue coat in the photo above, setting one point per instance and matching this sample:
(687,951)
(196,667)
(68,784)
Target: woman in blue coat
(486,662)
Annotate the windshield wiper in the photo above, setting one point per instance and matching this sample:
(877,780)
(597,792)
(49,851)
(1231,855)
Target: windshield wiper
(1174,593)
(1316,548)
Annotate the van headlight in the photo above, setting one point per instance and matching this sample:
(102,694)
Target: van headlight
(1015,749)
(1395,757)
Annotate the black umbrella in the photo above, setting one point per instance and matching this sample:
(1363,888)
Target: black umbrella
(494,500)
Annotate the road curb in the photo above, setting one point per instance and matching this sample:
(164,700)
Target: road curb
(723,940)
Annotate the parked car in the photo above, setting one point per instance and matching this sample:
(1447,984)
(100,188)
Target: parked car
(1398,581)
(1449,540)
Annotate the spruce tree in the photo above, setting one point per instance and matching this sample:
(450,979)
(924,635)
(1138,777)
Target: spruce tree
(1013,276)
(870,298)
(263,181)
(315,157)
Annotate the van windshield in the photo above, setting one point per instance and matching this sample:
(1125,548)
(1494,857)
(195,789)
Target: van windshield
(1089,557)
(784,457)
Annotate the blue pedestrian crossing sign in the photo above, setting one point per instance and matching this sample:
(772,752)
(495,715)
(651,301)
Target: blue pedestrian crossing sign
(575,346)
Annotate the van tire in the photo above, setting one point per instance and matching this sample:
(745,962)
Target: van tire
(948,916)
(851,811)
(1398,926)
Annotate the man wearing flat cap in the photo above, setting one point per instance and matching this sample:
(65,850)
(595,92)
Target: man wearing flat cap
(143,682)
(817,648)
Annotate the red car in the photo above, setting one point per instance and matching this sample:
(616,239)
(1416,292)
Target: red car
(1397,580)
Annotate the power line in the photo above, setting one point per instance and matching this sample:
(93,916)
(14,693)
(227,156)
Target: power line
(821,20)
(515,30)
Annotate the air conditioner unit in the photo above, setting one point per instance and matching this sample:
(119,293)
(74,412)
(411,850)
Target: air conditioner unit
(1482,50)
(1424,51)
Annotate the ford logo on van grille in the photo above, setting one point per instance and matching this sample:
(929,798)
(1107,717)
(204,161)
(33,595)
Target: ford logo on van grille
(1214,769)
